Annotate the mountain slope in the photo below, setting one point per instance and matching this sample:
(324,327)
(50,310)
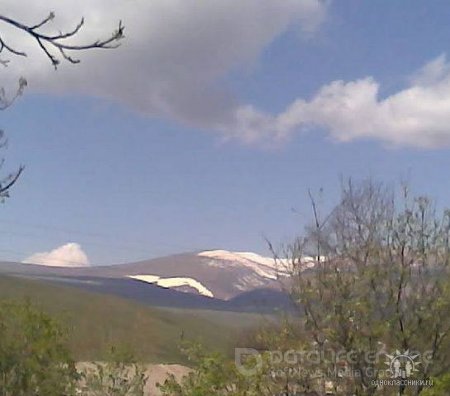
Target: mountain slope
(97,321)
(217,273)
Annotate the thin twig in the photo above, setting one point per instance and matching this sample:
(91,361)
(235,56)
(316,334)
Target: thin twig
(57,42)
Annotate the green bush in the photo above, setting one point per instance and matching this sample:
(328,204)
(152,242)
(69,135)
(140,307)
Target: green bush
(214,374)
(34,359)
(441,386)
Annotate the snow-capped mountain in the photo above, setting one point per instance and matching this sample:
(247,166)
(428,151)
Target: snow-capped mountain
(218,274)
(263,266)
(214,273)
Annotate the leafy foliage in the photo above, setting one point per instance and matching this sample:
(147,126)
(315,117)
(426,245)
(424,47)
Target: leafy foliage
(441,386)
(380,283)
(213,375)
(34,359)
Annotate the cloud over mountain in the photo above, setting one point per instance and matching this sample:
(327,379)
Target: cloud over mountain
(68,255)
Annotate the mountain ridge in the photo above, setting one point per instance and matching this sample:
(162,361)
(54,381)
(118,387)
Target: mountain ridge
(216,273)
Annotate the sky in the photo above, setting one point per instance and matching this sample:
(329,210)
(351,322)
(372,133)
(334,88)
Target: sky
(210,123)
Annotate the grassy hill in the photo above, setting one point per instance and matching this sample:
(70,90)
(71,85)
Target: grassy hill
(97,321)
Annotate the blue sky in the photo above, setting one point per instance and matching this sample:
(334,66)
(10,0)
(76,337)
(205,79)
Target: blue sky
(128,179)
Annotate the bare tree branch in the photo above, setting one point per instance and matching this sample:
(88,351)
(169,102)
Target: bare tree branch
(5,102)
(49,43)
(10,181)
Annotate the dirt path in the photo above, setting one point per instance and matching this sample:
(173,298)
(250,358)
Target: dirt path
(158,373)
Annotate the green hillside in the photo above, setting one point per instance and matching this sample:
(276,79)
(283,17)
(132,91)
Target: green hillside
(97,321)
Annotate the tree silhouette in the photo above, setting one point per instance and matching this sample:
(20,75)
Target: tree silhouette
(56,48)
(57,42)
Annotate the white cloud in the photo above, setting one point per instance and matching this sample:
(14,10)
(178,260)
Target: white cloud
(418,115)
(433,72)
(68,255)
(175,55)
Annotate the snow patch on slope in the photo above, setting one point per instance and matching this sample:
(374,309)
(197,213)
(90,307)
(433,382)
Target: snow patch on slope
(263,266)
(266,267)
(174,282)
(241,257)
